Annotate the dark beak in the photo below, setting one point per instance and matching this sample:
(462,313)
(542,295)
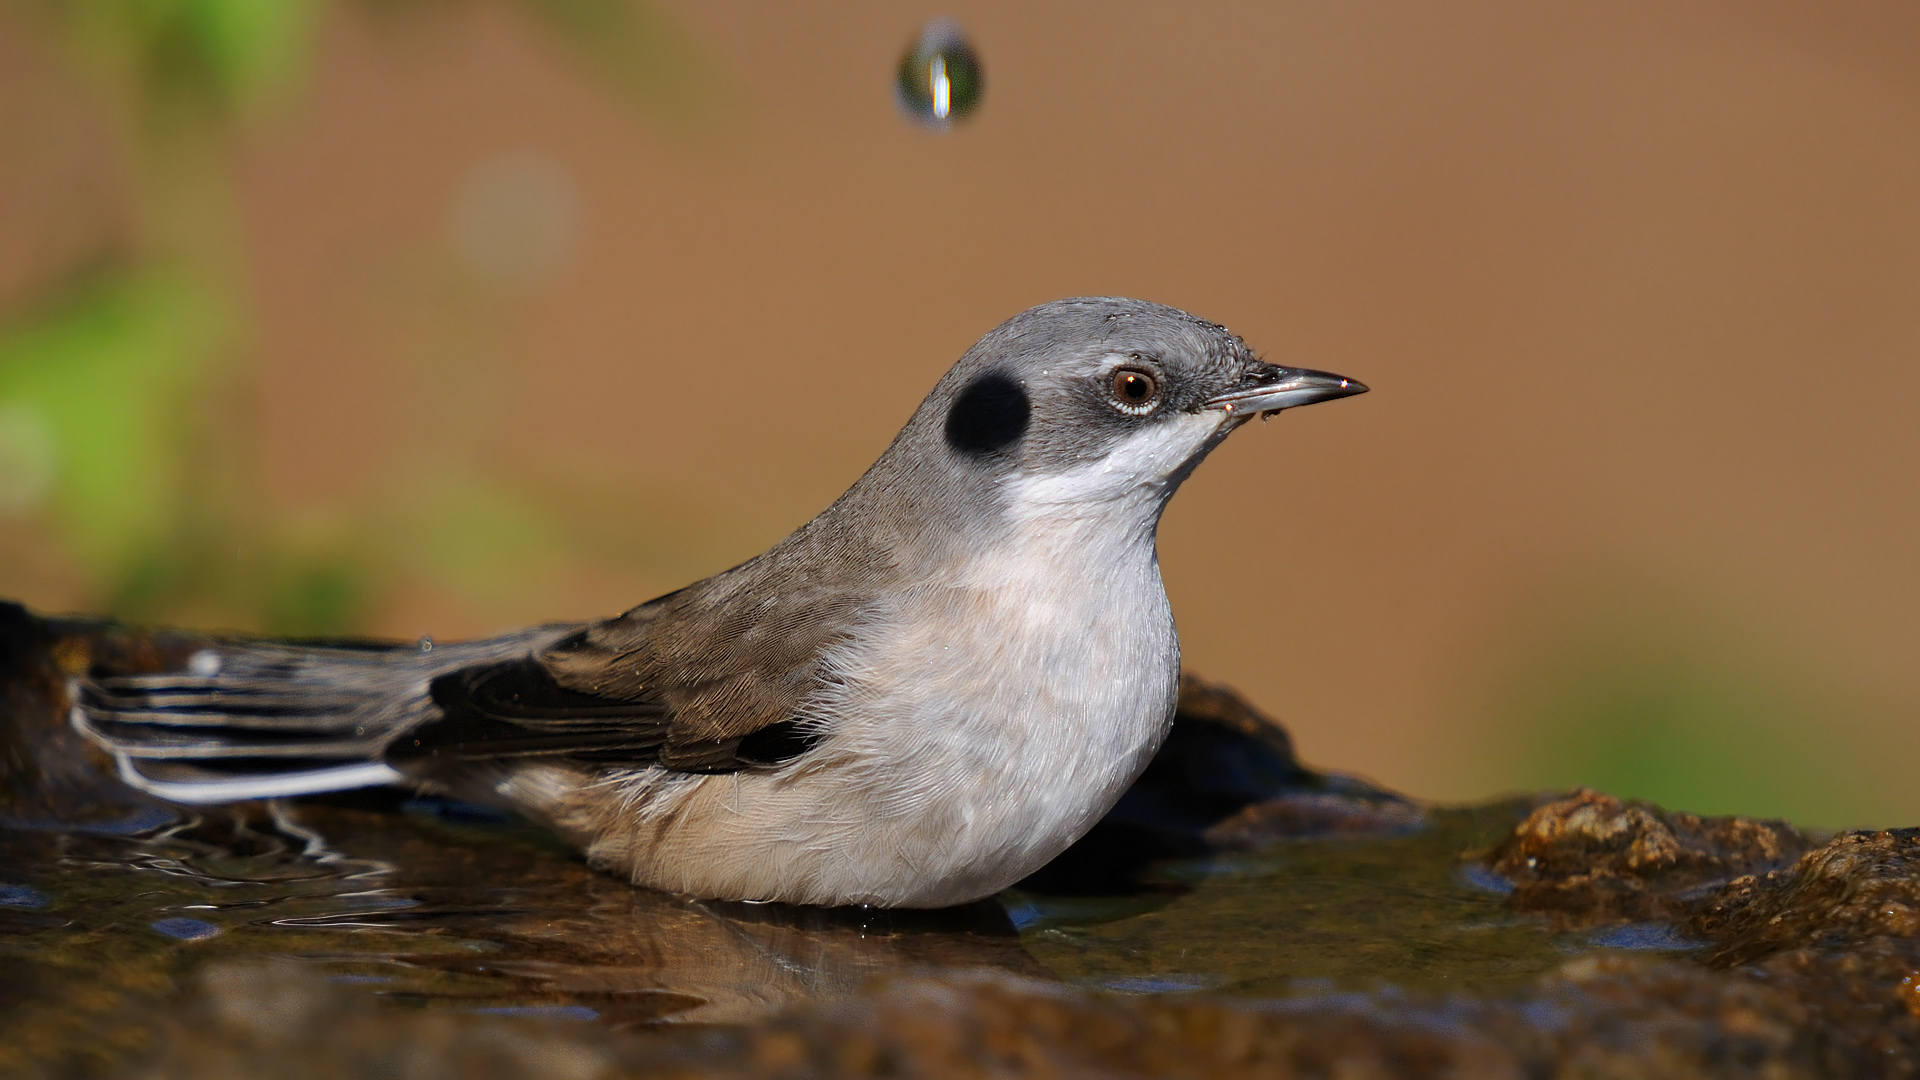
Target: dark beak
(1285,388)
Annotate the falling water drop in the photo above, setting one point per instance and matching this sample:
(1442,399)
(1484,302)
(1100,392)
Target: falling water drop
(939,80)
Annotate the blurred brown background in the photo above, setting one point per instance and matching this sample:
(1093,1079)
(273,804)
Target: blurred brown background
(444,317)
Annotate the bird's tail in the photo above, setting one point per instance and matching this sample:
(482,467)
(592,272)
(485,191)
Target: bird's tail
(257,720)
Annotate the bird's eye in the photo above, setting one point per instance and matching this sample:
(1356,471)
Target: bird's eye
(1134,390)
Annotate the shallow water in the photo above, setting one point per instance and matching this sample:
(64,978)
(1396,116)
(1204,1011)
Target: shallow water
(430,905)
(1307,916)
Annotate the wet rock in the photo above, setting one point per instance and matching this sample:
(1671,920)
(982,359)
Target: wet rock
(1814,1016)
(1226,761)
(980,1026)
(1749,888)
(1208,761)
(1596,1017)
(1805,1015)
(48,772)
(1590,857)
(1860,886)
(1819,945)
(1311,813)
(249,1021)
(1856,1004)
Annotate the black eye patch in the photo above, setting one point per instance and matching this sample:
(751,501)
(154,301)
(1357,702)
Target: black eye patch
(990,414)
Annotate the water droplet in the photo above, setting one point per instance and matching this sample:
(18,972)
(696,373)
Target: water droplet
(939,79)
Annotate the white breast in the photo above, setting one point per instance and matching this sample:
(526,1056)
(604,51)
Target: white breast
(998,714)
(1004,712)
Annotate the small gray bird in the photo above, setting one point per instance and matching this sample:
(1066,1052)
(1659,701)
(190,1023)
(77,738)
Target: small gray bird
(918,698)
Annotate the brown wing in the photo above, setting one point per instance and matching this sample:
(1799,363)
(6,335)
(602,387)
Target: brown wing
(714,677)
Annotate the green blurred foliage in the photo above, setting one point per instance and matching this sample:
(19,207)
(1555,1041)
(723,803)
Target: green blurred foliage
(222,58)
(108,377)
(474,538)
(121,424)
(202,57)
(638,52)
(316,599)
(1641,696)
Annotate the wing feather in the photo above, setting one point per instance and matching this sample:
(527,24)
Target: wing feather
(719,676)
(715,677)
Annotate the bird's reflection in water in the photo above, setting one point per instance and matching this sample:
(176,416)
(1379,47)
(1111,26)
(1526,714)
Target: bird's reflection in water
(492,914)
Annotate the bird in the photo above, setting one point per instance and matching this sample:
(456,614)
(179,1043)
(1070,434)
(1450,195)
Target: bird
(916,699)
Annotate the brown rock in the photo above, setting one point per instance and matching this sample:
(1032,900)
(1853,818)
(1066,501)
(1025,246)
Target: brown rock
(1591,857)
(1862,885)
(1204,702)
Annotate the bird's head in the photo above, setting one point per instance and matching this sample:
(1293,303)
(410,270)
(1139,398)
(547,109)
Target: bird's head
(1096,401)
